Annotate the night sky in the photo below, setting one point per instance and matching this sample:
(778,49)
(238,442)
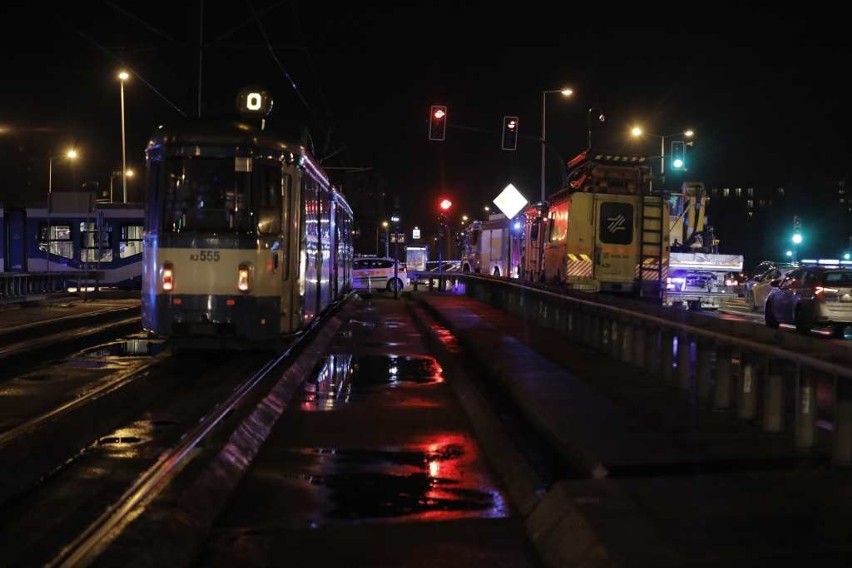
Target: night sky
(763,88)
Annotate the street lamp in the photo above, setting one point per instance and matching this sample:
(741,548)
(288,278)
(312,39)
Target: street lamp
(386,227)
(601,118)
(383,225)
(395,219)
(115,174)
(122,77)
(566,92)
(70,154)
(637,131)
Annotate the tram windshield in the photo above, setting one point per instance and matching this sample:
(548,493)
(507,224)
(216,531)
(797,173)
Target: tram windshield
(206,194)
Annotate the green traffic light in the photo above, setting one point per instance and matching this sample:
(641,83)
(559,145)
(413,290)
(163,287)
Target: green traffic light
(797,238)
(678,154)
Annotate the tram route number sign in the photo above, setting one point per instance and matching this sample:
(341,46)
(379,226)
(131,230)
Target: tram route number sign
(254,102)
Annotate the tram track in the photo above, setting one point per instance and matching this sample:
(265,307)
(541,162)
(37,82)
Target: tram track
(29,345)
(72,462)
(85,464)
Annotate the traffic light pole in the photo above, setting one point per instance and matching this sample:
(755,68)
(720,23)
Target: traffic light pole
(440,256)
(395,222)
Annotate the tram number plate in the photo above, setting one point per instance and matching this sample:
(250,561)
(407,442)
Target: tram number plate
(205,256)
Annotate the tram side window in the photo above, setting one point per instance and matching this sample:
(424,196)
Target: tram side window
(269,193)
(56,237)
(152,208)
(95,246)
(131,240)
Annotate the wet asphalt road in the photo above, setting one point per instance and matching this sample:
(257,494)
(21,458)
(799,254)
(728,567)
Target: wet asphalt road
(374,463)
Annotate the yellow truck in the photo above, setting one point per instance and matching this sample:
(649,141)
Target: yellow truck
(605,231)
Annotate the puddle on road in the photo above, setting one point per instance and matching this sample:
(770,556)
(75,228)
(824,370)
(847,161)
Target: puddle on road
(431,476)
(343,377)
(124,348)
(433,480)
(125,443)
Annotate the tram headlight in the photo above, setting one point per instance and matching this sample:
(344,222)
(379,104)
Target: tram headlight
(168,278)
(243,280)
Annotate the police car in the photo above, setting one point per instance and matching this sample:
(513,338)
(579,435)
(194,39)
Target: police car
(371,273)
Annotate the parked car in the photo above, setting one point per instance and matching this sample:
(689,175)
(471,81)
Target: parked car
(760,286)
(371,273)
(757,275)
(812,296)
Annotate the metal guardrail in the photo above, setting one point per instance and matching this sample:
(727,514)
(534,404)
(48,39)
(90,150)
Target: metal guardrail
(765,376)
(19,287)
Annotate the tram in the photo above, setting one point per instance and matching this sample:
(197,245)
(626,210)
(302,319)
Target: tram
(246,240)
(101,243)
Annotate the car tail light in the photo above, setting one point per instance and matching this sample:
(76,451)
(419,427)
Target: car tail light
(243,282)
(822,293)
(168,279)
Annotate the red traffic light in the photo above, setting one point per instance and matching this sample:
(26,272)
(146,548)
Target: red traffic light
(438,122)
(510,133)
(446,204)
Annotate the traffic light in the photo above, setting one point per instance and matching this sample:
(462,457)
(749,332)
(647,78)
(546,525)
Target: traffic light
(510,133)
(438,123)
(445,205)
(678,155)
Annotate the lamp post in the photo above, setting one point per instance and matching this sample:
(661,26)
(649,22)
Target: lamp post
(122,77)
(395,220)
(601,118)
(115,174)
(386,227)
(70,154)
(566,92)
(382,225)
(637,131)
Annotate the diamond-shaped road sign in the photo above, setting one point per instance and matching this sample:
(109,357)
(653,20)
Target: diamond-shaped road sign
(510,201)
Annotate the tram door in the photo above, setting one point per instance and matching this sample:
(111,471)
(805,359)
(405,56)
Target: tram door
(16,242)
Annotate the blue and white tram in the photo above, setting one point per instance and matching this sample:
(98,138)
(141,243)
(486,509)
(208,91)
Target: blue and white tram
(246,240)
(103,240)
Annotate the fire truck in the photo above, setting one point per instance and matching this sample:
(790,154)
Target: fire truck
(698,273)
(604,231)
(492,247)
